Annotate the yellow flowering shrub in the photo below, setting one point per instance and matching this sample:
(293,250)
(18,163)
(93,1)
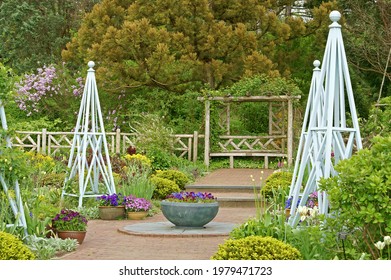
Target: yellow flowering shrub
(41,162)
(138,159)
(11,248)
(256,248)
(174,175)
(277,180)
(163,187)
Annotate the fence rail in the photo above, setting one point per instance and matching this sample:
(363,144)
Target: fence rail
(185,145)
(52,143)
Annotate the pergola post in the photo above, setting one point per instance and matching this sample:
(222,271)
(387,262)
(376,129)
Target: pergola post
(290,132)
(207,132)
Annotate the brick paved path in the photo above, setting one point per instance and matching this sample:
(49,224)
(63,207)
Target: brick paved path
(105,242)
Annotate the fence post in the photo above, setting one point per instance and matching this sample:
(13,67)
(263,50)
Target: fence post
(290,132)
(195,146)
(44,135)
(118,141)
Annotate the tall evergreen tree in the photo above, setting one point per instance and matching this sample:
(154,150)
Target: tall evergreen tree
(177,44)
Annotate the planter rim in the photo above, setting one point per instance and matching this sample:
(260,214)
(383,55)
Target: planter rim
(189,204)
(108,206)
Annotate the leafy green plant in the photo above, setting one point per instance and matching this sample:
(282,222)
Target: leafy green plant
(35,225)
(47,248)
(161,159)
(378,122)
(152,133)
(174,175)
(163,187)
(256,248)
(140,185)
(11,248)
(90,212)
(360,196)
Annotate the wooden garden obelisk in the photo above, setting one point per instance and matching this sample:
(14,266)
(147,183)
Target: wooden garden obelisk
(333,131)
(15,201)
(89,161)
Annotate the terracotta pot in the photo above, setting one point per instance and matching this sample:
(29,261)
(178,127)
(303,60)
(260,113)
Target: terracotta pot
(287,213)
(78,235)
(137,215)
(111,212)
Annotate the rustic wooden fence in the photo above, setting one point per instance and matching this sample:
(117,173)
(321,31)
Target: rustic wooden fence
(54,143)
(185,145)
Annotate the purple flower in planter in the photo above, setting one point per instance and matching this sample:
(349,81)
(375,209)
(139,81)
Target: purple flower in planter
(191,197)
(69,220)
(111,199)
(134,204)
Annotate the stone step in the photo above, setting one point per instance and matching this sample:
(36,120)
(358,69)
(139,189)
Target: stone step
(222,189)
(232,187)
(231,196)
(237,199)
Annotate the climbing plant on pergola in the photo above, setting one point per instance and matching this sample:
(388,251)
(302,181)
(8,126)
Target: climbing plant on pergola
(278,142)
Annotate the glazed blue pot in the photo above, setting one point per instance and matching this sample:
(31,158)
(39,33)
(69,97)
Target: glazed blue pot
(194,215)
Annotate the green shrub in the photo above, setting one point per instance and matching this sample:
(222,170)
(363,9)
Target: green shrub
(11,248)
(277,180)
(163,187)
(161,160)
(256,248)
(174,175)
(360,197)
(55,180)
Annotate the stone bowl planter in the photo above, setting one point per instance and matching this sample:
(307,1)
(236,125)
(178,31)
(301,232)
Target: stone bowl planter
(193,215)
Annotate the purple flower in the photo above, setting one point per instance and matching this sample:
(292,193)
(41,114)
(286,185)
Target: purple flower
(135,204)
(288,202)
(191,197)
(111,199)
(69,220)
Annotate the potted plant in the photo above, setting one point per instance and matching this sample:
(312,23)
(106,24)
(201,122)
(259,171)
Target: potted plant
(190,209)
(111,206)
(70,224)
(137,208)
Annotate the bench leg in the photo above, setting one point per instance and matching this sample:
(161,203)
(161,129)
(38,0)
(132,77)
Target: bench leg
(231,162)
(266,162)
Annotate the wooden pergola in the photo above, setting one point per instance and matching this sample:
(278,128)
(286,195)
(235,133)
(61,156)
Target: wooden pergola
(278,142)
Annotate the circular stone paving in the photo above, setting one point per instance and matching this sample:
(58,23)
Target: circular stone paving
(169,229)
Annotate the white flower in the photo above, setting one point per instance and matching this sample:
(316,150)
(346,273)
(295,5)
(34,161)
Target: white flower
(314,211)
(387,240)
(380,245)
(303,211)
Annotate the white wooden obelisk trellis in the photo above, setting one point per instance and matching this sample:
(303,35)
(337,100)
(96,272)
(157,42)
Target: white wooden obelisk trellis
(14,200)
(328,139)
(312,118)
(89,160)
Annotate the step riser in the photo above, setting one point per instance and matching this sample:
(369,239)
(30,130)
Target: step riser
(230,196)
(222,190)
(237,204)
